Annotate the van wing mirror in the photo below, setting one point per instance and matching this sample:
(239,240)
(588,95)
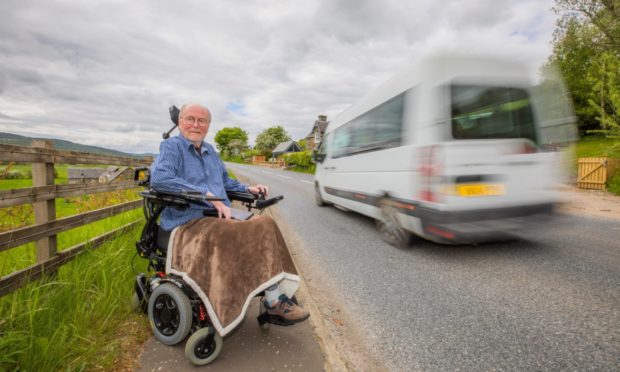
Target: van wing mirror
(317,157)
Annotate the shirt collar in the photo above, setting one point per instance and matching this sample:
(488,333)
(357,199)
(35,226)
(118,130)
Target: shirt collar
(203,148)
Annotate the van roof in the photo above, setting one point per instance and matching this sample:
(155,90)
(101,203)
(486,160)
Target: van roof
(436,68)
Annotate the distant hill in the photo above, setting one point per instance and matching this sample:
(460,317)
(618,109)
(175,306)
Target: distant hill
(15,139)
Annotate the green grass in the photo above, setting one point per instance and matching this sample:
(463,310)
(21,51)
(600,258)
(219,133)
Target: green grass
(598,146)
(61,171)
(20,257)
(613,185)
(15,184)
(80,319)
(309,170)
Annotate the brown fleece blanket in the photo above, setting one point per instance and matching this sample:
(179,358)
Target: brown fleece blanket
(228,262)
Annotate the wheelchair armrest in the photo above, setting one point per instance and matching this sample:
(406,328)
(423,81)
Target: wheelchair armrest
(244,197)
(178,199)
(262,204)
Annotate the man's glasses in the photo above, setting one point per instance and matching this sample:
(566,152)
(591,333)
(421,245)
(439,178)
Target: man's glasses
(191,120)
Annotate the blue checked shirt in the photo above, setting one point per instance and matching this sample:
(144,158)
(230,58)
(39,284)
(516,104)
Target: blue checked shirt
(179,167)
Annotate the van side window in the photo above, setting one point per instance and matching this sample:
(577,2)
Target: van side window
(322,150)
(377,129)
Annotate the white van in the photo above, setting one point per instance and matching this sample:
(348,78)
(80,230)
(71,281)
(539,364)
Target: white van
(455,149)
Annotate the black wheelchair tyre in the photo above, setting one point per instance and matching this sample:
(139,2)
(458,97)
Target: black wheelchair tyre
(170,314)
(203,346)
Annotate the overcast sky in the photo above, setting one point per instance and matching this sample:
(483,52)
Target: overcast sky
(104,73)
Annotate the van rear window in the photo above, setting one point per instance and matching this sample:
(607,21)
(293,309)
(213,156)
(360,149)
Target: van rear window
(481,112)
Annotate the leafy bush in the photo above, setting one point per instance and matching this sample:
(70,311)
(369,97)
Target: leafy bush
(613,185)
(233,159)
(10,172)
(301,161)
(246,156)
(16,216)
(17,175)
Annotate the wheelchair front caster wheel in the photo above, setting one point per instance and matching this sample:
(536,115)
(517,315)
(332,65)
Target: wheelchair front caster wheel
(203,346)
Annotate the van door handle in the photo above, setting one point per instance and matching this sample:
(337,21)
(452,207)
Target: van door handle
(328,168)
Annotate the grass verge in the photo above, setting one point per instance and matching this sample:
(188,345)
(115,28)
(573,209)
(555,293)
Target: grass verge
(80,319)
(302,170)
(598,146)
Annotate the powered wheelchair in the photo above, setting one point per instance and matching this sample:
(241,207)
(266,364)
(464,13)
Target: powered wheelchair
(174,309)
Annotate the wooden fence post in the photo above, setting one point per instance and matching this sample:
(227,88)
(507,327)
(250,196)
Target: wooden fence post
(44,211)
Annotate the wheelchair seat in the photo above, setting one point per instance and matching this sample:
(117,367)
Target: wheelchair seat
(163,237)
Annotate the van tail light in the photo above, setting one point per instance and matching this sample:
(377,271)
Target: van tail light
(520,148)
(527,148)
(431,170)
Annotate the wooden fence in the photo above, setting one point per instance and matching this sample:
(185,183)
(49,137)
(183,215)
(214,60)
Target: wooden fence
(593,173)
(42,196)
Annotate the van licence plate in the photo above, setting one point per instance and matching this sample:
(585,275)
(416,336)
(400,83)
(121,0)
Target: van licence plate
(480,190)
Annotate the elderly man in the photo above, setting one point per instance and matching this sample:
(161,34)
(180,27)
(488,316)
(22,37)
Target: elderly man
(187,163)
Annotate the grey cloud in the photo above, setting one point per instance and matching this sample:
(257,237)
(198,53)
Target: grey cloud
(28,76)
(106,73)
(4,116)
(3,81)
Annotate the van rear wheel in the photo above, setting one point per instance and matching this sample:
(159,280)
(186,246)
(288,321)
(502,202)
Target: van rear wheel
(389,226)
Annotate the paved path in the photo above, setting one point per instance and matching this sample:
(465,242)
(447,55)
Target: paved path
(248,349)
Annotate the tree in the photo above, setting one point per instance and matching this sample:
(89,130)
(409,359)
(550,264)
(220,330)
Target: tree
(602,14)
(572,53)
(605,97)
(302,143)
(268,139)
(587,51)
(230,140)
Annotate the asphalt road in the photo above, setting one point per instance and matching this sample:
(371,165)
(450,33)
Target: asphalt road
(546,301)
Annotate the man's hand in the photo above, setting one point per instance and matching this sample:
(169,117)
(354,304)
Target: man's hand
(222,210)
(256,189)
